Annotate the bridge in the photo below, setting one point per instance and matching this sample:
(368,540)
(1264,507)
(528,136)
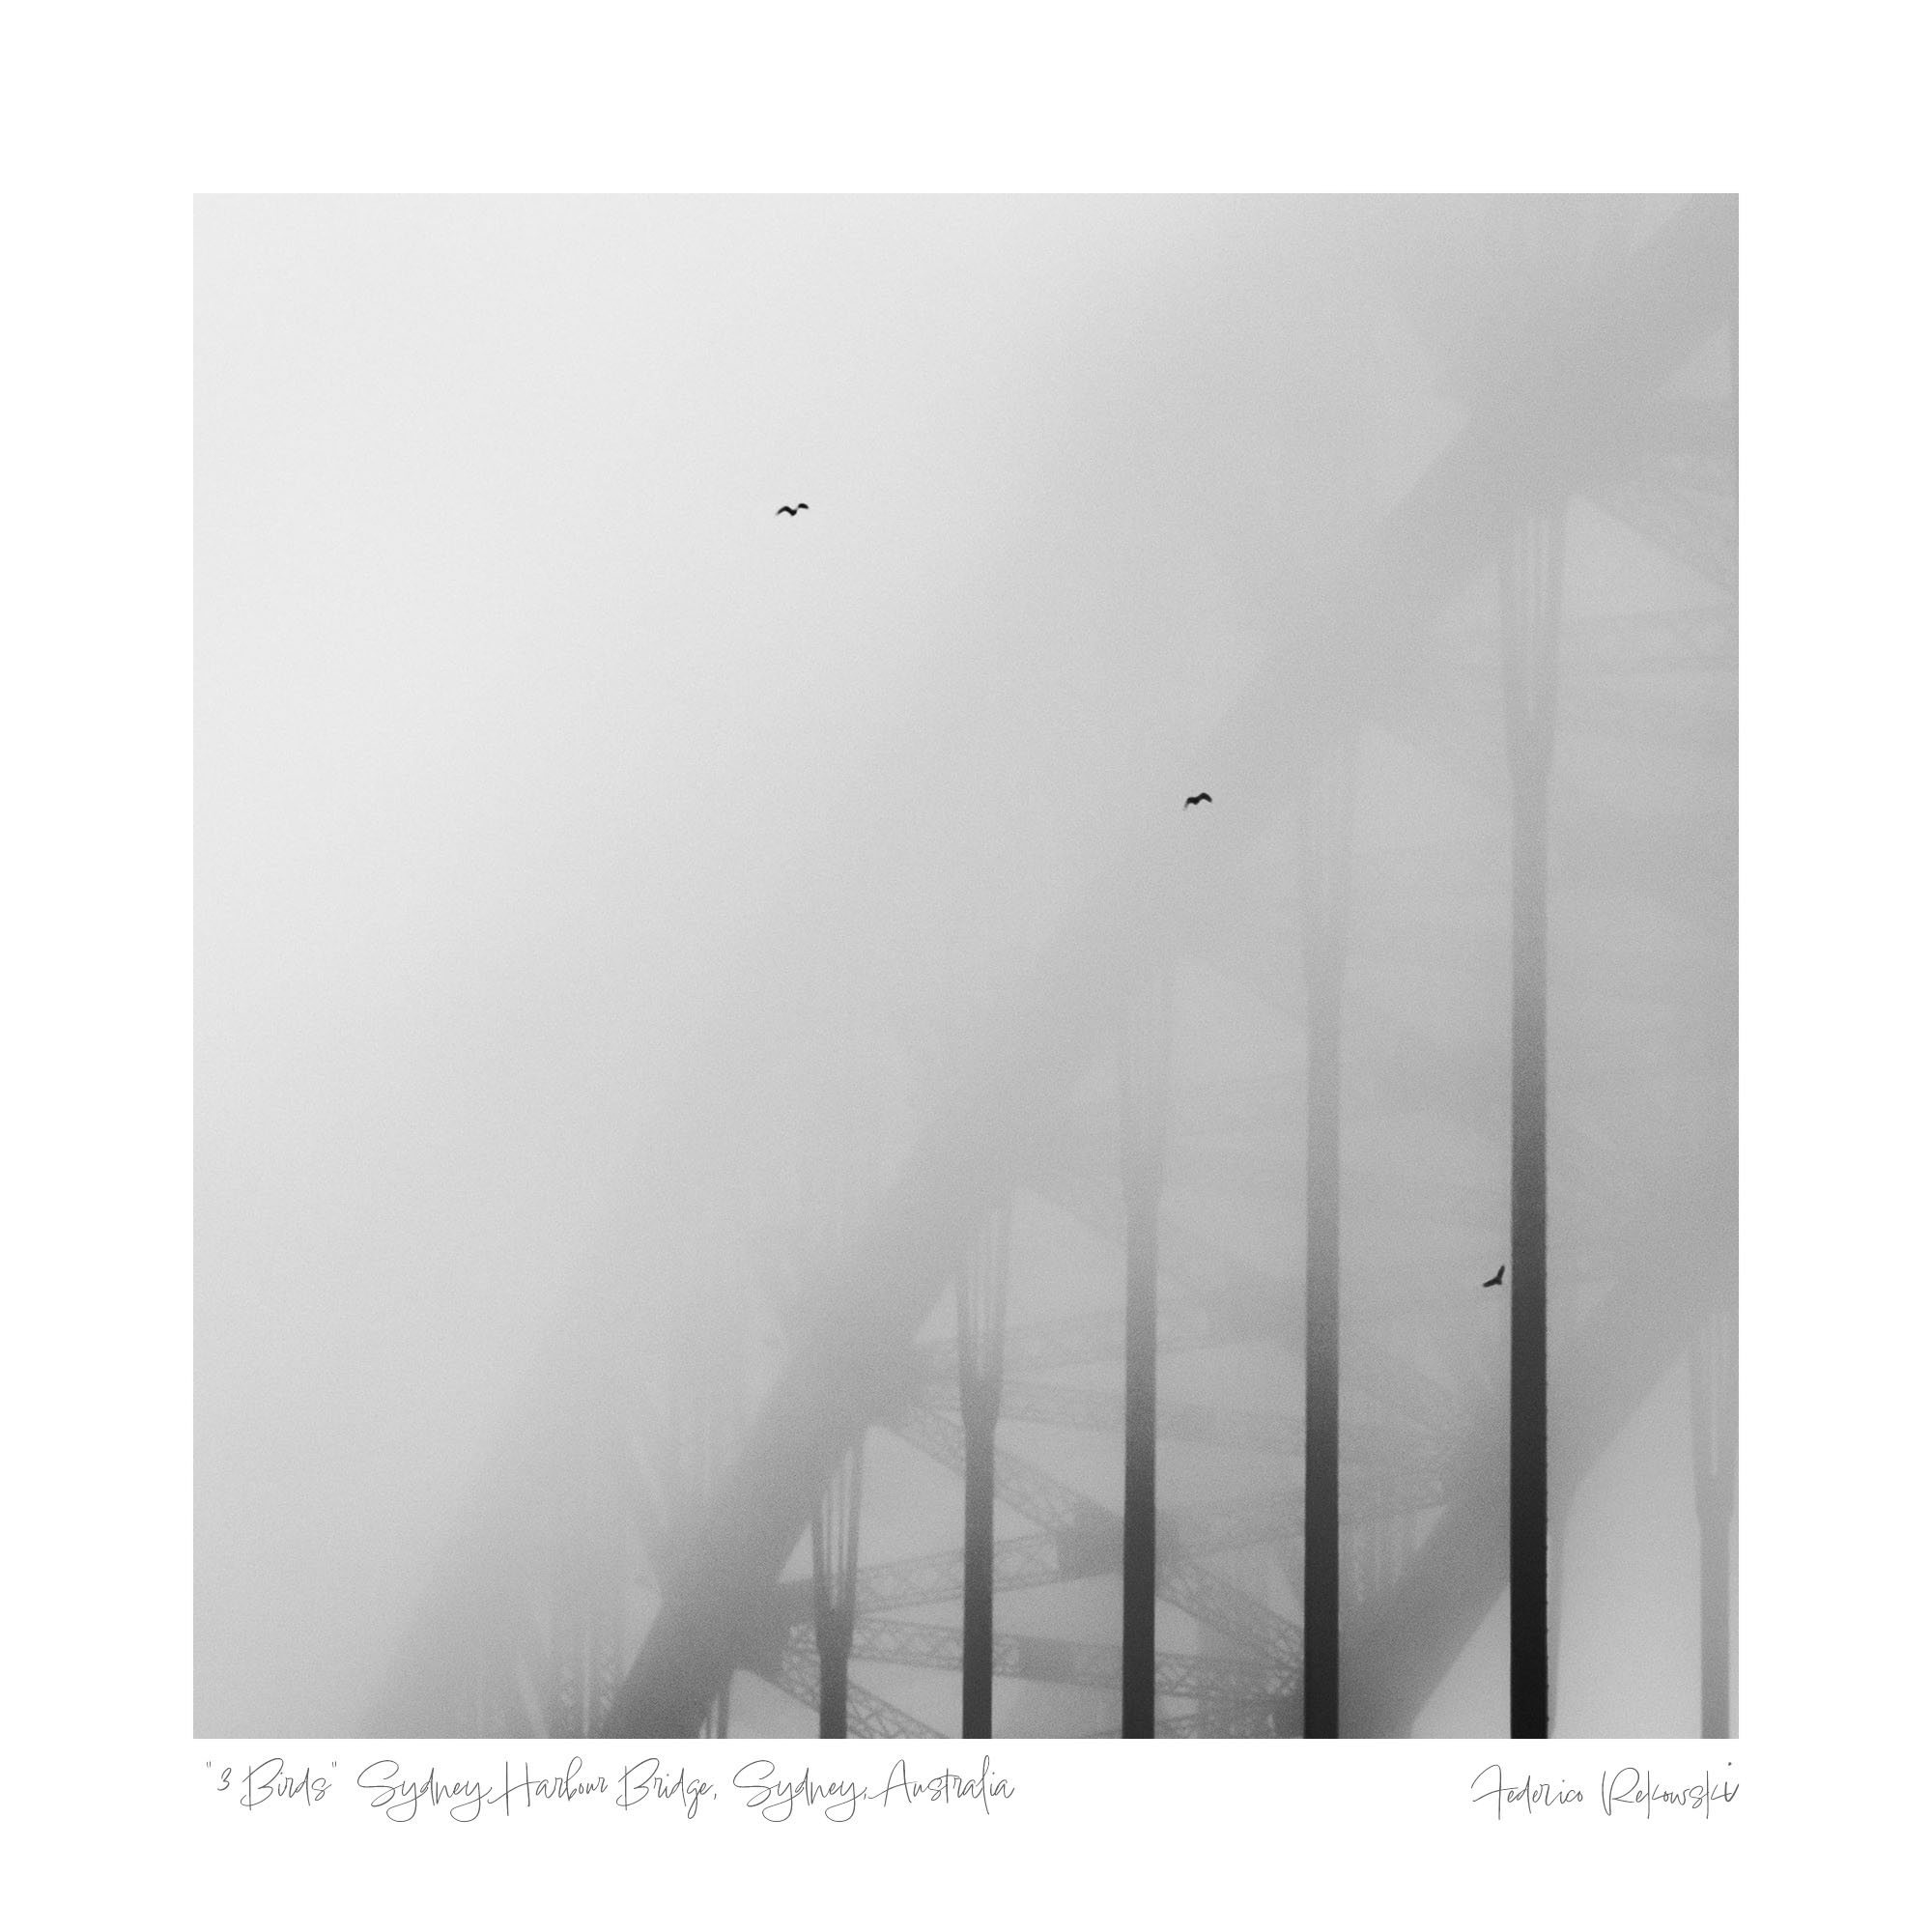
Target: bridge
(948,1357)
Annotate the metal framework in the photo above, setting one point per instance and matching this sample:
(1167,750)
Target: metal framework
(1422,1454)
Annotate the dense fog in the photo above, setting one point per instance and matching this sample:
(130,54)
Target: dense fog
(643,937)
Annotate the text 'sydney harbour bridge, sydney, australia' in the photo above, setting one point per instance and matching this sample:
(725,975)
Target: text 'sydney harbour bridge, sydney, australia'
(1311,1491)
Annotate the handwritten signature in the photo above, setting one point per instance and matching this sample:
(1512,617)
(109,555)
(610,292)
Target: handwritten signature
(1629,1787)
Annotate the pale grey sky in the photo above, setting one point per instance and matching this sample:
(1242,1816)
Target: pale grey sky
(576,839)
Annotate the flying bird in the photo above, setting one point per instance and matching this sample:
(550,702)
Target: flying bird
(1496,1279)
(1200,798)
(790,510)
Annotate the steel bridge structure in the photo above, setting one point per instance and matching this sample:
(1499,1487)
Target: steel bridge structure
(544,1623)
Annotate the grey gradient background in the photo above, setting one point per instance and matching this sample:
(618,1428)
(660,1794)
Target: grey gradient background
(581,852)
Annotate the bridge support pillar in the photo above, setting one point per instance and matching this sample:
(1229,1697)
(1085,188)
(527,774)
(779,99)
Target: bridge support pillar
(1532,612)
(835,1574)
(1144,1059)
(1714,1439)
(981,1292)
(1326,831)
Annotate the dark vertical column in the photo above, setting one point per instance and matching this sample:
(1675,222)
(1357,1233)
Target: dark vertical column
(982,1316)
(1143,1124)
(1714,1449)
(835,1575)
(1138,1516)
(1530,1307)
(1532,599)
(833,1667)
(976,1620)
(1327,824)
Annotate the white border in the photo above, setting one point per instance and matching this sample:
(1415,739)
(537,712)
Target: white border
(117,116)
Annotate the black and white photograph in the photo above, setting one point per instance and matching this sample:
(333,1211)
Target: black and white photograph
(966,967)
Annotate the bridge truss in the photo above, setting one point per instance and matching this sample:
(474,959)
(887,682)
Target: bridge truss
(638,1613)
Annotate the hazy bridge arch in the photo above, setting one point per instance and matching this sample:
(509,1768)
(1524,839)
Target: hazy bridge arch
(1586,407)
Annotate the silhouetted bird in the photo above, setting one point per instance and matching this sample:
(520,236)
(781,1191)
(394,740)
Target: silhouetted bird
(787,511)
(1200,798)
(1496,1279)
